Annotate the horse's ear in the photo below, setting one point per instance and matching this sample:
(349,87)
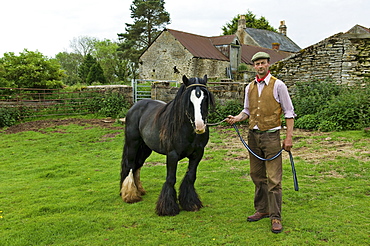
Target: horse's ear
(185,80)
(205,78)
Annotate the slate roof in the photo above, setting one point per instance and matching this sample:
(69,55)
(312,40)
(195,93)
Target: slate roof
(265,38)
(275,55)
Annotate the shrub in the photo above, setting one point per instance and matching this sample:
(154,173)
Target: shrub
(9,116)
(310,97)
(350,110)
(328,126)
(109,105)
(327,106)
(308,121)
(232,107)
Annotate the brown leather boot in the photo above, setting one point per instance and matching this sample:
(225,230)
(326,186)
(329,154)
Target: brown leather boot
(276,226)
(257,216)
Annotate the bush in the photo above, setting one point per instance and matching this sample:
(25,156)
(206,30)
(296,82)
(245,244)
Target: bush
(9,116)
(109,105)
(232,107)
(326,106)
(328,126)
(308,121)
(310,97)
(348,111)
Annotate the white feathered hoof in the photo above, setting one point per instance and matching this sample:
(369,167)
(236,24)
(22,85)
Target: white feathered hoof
(129,191)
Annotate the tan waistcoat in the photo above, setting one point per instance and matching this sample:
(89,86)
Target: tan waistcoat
(264,110)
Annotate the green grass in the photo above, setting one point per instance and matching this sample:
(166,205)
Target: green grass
(61,187)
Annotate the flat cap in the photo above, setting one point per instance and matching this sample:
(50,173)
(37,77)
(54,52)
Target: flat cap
(260,55)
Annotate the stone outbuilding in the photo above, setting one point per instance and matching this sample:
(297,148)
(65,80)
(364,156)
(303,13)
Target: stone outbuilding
(175,53)
(343,57)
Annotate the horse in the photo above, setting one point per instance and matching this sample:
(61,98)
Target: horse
(177,129)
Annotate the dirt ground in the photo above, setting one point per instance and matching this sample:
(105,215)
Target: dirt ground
(40,124)
(311,146)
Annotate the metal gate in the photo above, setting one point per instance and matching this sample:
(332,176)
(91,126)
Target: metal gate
(142,88)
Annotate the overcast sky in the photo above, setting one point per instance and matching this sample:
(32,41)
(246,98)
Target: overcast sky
(49,26)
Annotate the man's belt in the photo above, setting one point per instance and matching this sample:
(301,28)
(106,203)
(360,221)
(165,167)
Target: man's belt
(259,131)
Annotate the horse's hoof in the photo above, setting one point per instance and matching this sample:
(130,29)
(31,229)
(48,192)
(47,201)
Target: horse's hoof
(167,211)
(171,213)
(132,200)
(193,208)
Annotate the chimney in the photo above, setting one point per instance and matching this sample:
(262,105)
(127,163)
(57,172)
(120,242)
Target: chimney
(242,23)
(282,28)
(275,46)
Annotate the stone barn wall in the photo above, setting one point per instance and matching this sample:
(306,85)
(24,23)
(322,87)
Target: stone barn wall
(212,68)
(167,59)
(222,92)
(345,58)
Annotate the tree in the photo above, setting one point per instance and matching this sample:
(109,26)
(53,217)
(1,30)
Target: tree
(96,74)
(251,21)
(83,45)
(84,69)
(90,71)
(149,17)
(70,63)
(108,56)
(116,68)
(30,70)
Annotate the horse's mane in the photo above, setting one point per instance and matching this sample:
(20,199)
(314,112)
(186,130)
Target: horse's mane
(173,114)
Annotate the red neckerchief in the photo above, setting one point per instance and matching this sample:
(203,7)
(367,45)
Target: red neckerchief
(259,80)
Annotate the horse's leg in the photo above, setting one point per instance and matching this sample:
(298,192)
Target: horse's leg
(167,201)
(143,153)
(188,198)
(129,191)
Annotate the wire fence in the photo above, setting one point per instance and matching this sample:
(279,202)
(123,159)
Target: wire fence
(33,102)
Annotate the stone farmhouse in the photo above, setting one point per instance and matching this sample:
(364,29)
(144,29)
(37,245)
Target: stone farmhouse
(343,57)
(175,53)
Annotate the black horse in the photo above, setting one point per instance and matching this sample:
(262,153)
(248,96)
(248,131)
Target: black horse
(178,130)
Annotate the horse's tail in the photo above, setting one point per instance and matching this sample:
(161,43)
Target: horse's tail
(129,190)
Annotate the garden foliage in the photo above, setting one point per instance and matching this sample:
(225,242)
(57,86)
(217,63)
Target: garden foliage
(327,106)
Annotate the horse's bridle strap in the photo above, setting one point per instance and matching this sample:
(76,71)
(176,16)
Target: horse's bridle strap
(195,85)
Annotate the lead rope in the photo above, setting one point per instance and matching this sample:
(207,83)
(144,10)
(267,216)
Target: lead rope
(295,179)
(251,151)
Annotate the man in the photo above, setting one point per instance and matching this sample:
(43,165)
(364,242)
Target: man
(266,99)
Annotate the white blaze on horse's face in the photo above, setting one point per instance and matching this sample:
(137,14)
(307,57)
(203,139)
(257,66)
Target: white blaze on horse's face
(196,97)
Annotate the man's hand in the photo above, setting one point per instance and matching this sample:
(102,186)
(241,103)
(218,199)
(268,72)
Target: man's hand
(288,144)
(233,119)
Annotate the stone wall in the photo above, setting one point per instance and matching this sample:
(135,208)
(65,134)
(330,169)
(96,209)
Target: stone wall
(163,91)
(125,90)
(345,58)
(212,68)
(222,92)
(162,57)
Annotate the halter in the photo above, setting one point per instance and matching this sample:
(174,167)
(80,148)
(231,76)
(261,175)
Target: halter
(196,85)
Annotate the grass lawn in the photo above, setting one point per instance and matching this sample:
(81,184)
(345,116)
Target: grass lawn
(59,185)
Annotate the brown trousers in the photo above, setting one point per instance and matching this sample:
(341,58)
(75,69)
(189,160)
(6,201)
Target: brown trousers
(266,175)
